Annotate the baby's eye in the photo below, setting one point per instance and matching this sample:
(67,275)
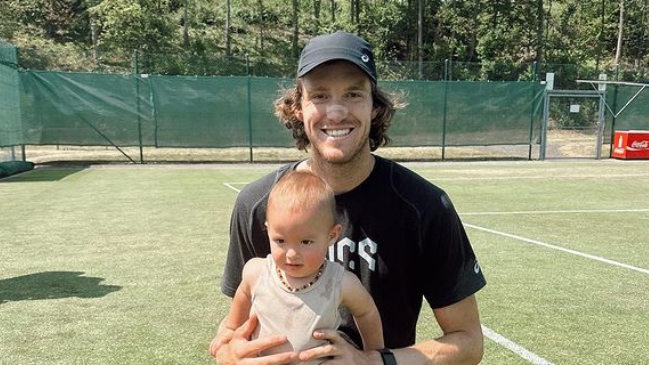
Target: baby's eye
(307,242)
(279,241)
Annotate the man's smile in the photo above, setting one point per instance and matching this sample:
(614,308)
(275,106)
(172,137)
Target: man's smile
(337,132)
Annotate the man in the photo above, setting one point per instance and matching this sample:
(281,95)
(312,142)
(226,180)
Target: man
(401,237)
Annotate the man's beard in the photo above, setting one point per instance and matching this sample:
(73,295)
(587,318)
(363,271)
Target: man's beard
(340,158)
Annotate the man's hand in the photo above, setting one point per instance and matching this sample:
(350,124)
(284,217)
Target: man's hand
(338,350)
(240,350)
(222,338)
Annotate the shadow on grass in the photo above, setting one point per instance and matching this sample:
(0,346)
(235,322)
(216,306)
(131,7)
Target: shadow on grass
(53,285)
(44,174)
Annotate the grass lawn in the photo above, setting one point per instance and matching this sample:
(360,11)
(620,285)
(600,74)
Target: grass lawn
(121,264)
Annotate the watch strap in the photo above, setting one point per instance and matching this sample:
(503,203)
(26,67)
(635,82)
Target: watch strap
(388,357)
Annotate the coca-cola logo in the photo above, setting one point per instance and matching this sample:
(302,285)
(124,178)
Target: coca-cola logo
(640,144)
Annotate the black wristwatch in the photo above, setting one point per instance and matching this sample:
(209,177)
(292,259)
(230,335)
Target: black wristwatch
(388,357)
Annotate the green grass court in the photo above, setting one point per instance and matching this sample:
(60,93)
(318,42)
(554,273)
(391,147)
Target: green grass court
(120,264)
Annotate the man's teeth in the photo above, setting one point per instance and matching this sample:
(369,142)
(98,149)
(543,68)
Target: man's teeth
(338,132)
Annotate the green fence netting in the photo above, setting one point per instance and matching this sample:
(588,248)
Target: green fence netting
(216,112)
(91,109)
(130,110)
(468,113)
(85,109)
(630,105)
(10,128)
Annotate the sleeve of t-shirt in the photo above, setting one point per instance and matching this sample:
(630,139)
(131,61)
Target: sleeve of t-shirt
(239,249)
(455,271)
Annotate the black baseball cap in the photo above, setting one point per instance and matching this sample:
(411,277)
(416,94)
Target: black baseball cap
(337,46)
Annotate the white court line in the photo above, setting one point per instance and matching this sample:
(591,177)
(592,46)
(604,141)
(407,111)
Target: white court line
(518,350)
(229,185)
(561,211)
(547,245)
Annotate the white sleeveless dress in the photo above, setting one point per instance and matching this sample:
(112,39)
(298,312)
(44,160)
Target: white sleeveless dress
(297,314)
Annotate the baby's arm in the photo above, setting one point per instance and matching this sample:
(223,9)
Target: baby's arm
(240,306)
(242,301)
(362,307)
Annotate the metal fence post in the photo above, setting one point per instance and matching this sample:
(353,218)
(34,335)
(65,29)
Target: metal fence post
(249,107)
(531,140)
(549,86)
(444,109)
(137,99)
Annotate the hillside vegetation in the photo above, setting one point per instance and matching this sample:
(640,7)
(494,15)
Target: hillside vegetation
(423,39)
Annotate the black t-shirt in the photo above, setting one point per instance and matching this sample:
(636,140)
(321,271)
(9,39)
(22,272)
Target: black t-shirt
(402,237)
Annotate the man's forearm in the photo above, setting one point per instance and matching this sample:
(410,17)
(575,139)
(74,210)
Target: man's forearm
(458,348)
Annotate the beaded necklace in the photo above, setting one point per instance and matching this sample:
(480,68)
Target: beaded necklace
(280,274)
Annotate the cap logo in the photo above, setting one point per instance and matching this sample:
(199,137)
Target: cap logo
(365,58)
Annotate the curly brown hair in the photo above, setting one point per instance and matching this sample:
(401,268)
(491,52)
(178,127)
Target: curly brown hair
(386,104)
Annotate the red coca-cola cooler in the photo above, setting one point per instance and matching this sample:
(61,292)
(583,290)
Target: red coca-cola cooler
(631,145)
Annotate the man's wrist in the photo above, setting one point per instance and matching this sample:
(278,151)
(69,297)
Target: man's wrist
(387,356)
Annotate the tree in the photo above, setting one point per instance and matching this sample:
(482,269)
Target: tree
(504,36)
(296,28)
(540,15)
(228,35)
(261,26)
(355,13)
(316,15)
(128,25)
(620,33)
(185,25)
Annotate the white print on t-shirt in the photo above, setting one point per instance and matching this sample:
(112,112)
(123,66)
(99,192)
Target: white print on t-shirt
(341,249)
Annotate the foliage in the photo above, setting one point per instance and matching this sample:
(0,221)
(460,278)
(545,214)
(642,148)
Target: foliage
(481,40)
(130,25)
